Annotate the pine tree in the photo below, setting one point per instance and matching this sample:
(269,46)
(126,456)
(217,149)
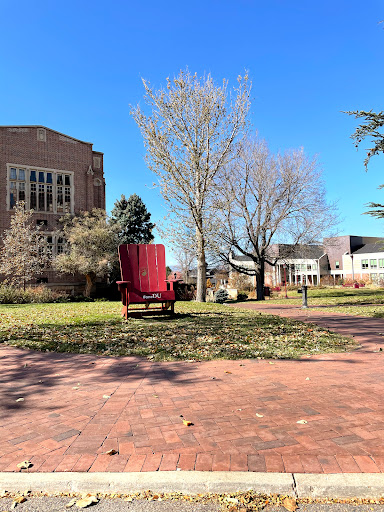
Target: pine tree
(24,254)
(133,221)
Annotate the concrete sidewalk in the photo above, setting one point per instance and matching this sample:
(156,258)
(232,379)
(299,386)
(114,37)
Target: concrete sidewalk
(245,413)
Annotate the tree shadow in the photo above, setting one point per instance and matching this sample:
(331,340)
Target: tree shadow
(29,374)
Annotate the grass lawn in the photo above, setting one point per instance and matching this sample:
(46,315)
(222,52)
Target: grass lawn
(352,301)
(197,332)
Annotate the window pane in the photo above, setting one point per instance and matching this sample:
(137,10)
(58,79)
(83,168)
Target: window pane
(49,198)
(12,198)
(21,191)
(32,176)
(33,196)
(49,177)
(41,197)
(67,179)
(21,174)
(59,199)
(59,179)
(41,177)
(13,175)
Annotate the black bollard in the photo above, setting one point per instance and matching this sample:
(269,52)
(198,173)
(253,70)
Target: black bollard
(304,292)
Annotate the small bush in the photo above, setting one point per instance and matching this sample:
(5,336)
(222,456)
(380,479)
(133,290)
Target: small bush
(242,296)
(221,296)
(38,294)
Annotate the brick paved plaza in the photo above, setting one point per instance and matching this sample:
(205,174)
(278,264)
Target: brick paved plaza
(66,422)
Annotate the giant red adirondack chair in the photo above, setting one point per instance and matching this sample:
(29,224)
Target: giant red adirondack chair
(144,281)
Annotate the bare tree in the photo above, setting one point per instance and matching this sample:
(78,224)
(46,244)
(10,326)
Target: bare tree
(189,137)
(263,198)
(25,253)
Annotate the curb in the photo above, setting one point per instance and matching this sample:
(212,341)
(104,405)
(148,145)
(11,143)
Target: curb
(353,485)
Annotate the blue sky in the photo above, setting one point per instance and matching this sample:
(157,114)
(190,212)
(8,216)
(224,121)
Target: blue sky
(76,66)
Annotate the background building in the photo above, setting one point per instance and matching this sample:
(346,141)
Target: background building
(54,174)
(354,258)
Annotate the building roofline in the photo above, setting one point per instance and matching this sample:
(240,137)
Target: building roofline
(46,128)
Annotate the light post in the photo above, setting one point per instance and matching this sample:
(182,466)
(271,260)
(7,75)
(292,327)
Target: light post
(353,270)
(285,279)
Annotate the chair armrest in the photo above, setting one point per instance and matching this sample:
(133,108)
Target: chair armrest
(122,285)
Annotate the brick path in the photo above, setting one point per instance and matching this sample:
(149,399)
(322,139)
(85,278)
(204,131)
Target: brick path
(67,423)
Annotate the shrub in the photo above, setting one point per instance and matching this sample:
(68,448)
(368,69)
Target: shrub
(38,294)
(221,296)
(242,296)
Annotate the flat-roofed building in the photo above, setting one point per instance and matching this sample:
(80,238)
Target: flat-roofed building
(53,174)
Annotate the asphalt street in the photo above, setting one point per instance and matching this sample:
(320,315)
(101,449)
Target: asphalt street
(54,504)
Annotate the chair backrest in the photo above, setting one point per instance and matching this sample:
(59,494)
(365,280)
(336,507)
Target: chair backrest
(144,266)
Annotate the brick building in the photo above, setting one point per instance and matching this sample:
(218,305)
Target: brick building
(54,174)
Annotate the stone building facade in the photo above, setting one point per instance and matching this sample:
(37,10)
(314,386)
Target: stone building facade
(54,174)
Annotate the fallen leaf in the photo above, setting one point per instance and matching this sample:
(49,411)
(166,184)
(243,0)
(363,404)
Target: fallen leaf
(111,452)
(16,501)
(259,415)
(187,423)
(302,422)
(106,396)
(232,500)
(270,362)
(71,503)
(25,464)
(228,372)
(307,378)
(20,400)
(128,499)
(85,502)
(156,396)
(289,504)
(76,387)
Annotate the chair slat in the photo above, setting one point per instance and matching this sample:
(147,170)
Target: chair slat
(133,262)
(161,272)
(125,267)
(143,268)
(152,267)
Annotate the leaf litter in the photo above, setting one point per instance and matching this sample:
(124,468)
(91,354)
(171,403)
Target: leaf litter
(242,501)
(199,332)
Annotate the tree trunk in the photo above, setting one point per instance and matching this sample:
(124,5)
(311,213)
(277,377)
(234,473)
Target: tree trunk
(201,268)
(260,282)
(89,280)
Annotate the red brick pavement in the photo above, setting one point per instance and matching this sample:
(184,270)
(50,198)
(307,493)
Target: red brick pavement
(66,421)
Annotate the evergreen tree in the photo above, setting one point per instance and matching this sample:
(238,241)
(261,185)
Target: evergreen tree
(24,254)
(374,122)
(133,221)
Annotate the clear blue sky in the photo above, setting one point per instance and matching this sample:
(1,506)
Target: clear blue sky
(76,66)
